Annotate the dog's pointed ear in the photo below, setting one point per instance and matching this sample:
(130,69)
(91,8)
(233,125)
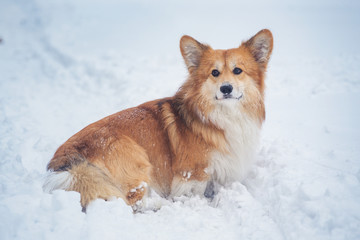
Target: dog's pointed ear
(260,47)
(192,51)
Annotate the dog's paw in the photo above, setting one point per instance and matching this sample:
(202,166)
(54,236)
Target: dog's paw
(136,194)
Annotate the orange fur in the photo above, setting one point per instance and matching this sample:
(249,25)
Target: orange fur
(172,140)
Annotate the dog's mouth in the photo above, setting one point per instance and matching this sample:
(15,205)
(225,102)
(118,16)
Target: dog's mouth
(228,96)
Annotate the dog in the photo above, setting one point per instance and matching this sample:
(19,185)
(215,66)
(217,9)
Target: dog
(203,137)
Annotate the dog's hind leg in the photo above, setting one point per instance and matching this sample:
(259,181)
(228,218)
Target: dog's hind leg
(87,179)
(120,169)
(129,166)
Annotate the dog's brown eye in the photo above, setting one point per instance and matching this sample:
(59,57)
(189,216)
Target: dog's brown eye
(237,71)
(215,73)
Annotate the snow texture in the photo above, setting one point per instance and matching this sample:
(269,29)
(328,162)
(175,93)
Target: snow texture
(65,64)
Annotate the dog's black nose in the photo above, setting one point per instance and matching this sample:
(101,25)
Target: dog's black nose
(226,89)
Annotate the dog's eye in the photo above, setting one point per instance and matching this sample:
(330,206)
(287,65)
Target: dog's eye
(215,73)
(237,71)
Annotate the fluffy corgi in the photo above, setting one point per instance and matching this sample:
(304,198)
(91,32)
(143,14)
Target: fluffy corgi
(204,136)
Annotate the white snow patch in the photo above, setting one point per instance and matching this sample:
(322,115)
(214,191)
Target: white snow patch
(141,187)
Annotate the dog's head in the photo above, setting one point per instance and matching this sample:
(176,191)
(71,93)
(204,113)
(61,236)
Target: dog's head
(226,81)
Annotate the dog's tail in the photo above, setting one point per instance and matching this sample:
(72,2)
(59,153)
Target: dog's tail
(81,176)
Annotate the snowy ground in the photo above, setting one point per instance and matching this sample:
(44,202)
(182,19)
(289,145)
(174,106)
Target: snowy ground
(65,64)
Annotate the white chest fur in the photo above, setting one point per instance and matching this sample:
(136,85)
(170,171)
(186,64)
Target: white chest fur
(242,134)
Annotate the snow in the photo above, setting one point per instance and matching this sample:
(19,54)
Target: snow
(65,64)
(142,186)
